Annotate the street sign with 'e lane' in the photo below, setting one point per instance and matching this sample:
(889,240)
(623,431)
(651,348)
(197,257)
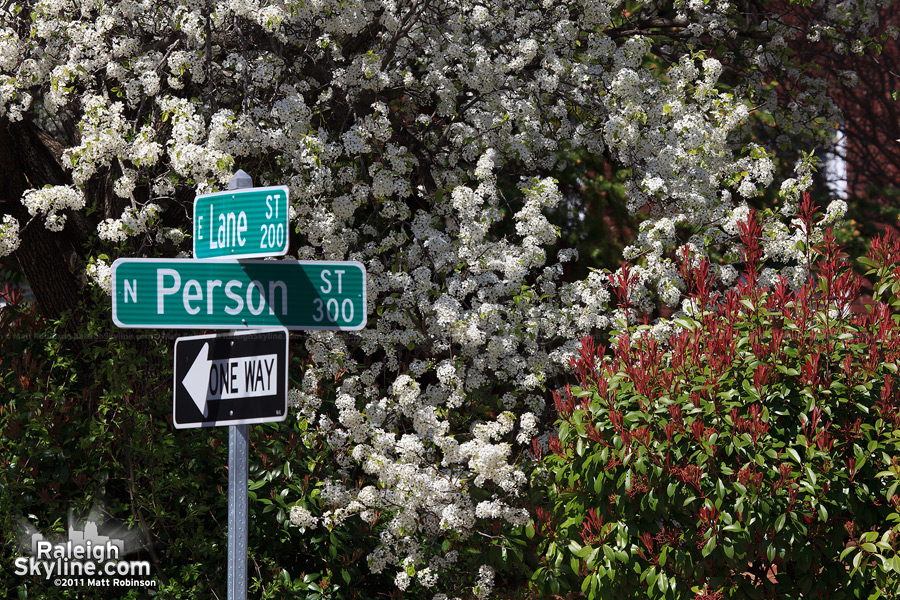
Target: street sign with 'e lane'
(229,294)
(243,223)
(231,379)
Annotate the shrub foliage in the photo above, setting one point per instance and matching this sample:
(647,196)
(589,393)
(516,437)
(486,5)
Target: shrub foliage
(744,457)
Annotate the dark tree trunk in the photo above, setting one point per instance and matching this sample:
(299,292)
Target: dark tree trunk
(28,160)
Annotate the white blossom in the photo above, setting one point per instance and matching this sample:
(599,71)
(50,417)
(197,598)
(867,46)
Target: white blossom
(49,201)
(101,273)
(302,518)
(9,235)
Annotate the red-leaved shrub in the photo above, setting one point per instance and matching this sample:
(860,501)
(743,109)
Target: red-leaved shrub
(745,456)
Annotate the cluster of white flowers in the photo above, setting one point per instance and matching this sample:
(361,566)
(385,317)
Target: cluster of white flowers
(485,582)
(835,211)
(134,221)
(50,201)
(101,274)
(302,518)
(9,235)
(304,400)
(103,138)
(396,129)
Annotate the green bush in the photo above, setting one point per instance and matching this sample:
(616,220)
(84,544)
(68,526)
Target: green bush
(86,421)
(745,458)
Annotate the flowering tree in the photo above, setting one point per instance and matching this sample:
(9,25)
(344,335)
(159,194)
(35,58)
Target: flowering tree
(420,138)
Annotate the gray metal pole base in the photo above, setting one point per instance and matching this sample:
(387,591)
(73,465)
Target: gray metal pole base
(238,446)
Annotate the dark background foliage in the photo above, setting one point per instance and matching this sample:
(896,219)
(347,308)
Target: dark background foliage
(85,422)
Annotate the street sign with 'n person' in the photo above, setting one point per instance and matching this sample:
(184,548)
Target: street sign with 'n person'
(231,379)
(242,223)
(230,294)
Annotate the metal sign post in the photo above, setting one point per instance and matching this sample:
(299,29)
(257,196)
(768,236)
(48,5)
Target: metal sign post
(238,442)
(238,479)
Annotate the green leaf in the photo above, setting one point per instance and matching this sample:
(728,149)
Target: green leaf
(652,576)
(895,563)
(686,323)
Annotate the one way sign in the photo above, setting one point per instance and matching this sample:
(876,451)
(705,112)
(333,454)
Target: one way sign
(231,379)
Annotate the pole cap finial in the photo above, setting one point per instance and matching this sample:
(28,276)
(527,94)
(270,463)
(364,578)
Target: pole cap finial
(240,180)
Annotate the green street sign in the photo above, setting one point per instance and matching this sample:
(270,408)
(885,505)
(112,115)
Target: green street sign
(243,223)
(228,294)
